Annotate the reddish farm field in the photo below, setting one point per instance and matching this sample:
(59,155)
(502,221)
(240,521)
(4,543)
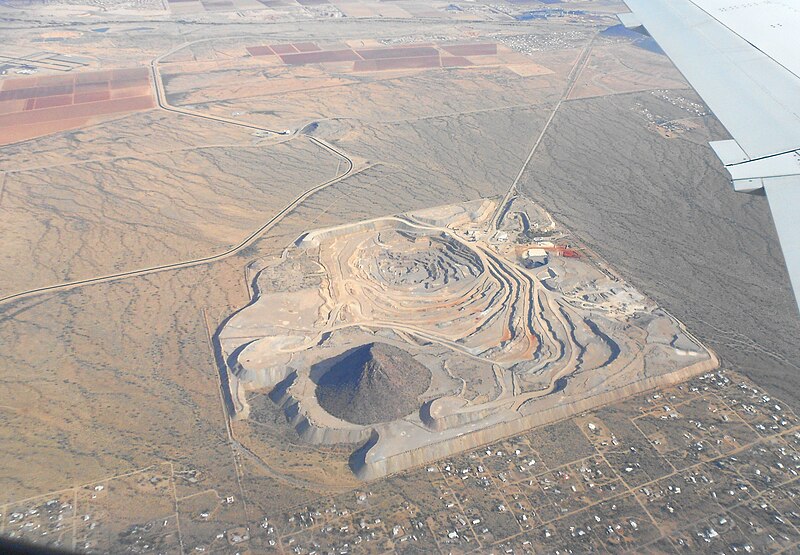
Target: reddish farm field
(52,101)
(404,52)
(30,107)
(398,63)
(455,61)
(260,51)
(413,56)
(306,46)
(97,96)
(283,48)
(320,57)
(471,49)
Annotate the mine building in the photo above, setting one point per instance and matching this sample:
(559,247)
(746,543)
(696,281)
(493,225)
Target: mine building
(534,258)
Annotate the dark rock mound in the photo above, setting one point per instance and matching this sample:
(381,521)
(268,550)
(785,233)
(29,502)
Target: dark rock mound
(374,383)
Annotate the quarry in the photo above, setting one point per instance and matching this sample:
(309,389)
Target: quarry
(282,281)
(422,334)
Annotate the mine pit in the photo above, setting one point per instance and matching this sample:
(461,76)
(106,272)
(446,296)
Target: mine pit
(345,354)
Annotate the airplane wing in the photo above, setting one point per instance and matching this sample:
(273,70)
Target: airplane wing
(743,59)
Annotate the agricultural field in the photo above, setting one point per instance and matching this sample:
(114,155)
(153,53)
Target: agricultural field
(210,205)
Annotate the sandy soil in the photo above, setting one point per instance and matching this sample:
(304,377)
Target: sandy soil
(104,380)
(124,212)
(709,256)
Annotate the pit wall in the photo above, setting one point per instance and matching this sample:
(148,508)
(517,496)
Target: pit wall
(452,420)
(365,468)
(304,424)
(315,238)
(262,378)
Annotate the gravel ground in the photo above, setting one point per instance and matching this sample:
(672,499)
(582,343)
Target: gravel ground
(663,213)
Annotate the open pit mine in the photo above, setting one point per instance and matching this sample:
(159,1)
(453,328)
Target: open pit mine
(422,334)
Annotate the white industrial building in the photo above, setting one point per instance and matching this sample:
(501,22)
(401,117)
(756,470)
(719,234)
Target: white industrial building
(535,257)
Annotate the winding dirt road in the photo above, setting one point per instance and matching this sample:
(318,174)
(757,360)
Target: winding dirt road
(250,239)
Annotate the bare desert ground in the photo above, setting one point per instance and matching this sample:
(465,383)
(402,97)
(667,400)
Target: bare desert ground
(709,256)
(131,239)
(76,220)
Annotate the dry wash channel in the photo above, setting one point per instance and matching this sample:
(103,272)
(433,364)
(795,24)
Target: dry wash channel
(445,333)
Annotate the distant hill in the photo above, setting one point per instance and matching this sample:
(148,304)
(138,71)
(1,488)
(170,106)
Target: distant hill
(374,383)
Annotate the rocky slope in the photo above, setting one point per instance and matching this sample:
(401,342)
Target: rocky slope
(374,383)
